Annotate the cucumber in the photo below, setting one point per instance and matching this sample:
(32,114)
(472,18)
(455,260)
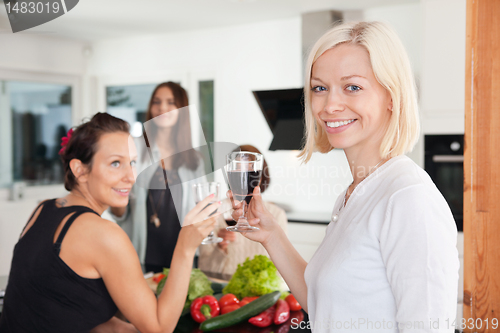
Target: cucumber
(237,316)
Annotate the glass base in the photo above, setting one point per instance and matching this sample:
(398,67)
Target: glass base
(242,227)
(211,240)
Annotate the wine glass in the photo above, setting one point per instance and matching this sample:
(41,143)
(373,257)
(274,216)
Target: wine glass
(201,191)
(243,172)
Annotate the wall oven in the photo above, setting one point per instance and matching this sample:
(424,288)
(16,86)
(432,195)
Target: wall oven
(444,157)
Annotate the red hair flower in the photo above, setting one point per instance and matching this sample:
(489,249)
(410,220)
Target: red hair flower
(65,140)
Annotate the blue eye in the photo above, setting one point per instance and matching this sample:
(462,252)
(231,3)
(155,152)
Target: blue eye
(115,164)
(353,88)
(318,89)
(133,163)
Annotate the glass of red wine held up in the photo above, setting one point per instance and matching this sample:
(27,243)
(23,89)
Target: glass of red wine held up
(243,172)
(201,191)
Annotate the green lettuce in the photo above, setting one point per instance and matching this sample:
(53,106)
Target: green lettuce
(255,277)
(199,285)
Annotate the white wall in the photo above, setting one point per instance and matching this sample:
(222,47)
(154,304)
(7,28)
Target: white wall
(407,21)
(33,58)
(40,53)
(443,63)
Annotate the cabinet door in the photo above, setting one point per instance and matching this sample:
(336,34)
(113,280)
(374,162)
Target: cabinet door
(306,237)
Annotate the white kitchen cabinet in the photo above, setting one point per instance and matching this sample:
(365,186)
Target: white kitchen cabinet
(306,237)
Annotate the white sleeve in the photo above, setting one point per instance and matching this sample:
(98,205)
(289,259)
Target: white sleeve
(119,219)
(418,246)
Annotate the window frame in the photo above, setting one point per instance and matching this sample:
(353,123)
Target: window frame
(74,81)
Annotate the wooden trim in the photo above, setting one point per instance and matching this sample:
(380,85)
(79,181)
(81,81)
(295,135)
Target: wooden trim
(481,163)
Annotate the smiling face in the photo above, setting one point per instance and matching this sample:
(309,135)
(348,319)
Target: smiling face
(113,170)
(347,101)
(163,108)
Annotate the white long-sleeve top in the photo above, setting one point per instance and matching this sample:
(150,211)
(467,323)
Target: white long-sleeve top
(390,262)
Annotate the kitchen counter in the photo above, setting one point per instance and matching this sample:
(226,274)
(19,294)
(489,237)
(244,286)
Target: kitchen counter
(309,217)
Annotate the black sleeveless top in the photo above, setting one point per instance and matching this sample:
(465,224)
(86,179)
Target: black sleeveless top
(43,293)
(162,239)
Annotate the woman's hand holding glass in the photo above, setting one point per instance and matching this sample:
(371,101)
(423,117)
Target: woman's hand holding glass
(211,189)
(198,223)
(227,237)
(257,216)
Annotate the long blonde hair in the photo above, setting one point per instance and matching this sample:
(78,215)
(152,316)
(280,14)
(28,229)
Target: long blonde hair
(392,70)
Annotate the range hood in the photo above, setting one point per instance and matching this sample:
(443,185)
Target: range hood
(284,113)
(284,108)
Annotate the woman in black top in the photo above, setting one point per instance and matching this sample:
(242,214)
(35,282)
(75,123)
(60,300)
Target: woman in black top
(71,269)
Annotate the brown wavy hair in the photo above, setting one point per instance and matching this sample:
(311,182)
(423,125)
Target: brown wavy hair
(266,177)
(83,143)
(181,136)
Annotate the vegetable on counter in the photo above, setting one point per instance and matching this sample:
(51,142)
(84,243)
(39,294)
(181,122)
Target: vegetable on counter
(265,318)
(247,300)
(228,299)
(158,278)
(254,277)
(204,308)
(229,308)
(199,286)
(241,314)
(292,303)
(282,312)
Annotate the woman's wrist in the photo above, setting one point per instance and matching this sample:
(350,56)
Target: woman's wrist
(274,237)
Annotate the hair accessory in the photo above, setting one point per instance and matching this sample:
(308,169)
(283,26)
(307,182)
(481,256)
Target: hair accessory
(65,140)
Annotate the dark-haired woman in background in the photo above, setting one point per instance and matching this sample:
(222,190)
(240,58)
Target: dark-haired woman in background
(224,257)
(72,269)
(151,219)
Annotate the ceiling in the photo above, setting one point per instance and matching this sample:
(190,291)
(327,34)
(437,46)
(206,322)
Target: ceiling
(94,20)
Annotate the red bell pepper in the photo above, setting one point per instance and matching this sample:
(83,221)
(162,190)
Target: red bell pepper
(282,312)
(292,302)
(204,308)
(264,319)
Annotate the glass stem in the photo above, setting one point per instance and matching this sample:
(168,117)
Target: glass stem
(244,211)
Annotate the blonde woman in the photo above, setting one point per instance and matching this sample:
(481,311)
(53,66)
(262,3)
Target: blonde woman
(388,262)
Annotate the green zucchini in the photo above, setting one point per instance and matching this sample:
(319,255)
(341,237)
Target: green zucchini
(245,312)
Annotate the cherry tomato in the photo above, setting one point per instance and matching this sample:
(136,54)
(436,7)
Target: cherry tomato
(158,278)
(228,299)
(229,308)
(292,302)
(247,300)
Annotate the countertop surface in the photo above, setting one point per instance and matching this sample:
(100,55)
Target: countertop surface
(309,217)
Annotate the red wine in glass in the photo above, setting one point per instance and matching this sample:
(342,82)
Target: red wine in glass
(231,223)
(243,172)
(242,183)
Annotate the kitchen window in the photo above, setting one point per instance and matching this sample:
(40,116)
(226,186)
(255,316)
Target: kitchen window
(34,116)
(130,103)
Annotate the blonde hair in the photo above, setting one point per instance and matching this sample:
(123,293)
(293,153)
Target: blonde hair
(391,67)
